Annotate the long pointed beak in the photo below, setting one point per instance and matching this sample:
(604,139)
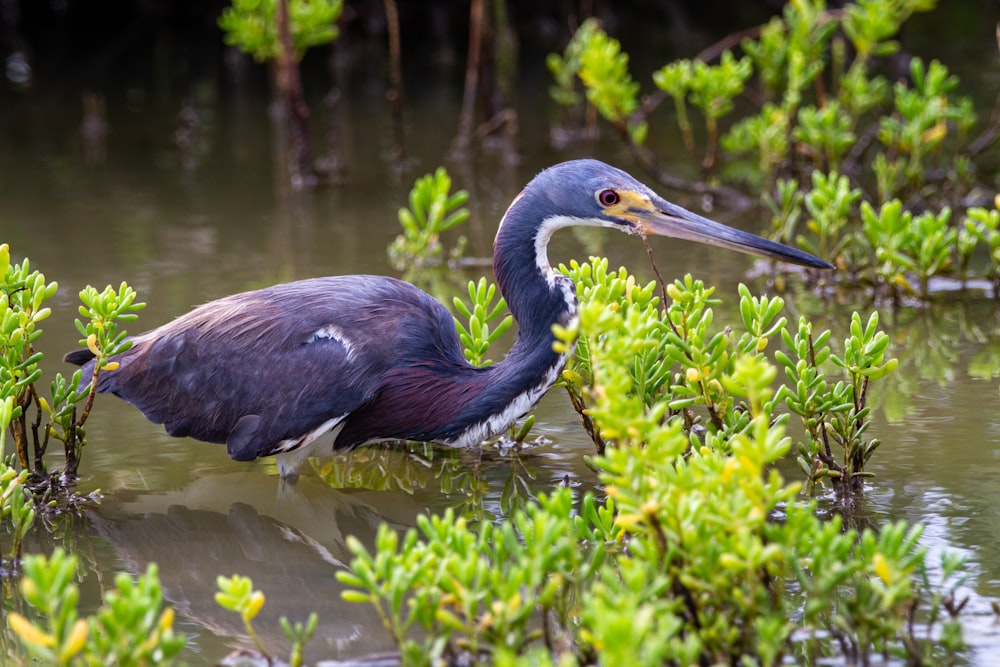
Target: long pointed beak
(666,219)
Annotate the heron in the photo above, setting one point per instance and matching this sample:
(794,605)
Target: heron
(323,365)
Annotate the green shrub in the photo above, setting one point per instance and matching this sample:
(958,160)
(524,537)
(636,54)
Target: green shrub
(698,550)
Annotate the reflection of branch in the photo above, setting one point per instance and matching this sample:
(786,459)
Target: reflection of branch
(861,145)
(728,42)
(467,112)
(989,135)
(395,92)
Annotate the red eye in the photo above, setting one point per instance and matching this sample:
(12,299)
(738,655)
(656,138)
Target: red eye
(608,197)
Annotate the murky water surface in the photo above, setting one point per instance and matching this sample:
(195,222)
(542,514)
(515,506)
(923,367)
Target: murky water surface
(121,201)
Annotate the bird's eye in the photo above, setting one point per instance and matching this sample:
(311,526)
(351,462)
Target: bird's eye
(608,197)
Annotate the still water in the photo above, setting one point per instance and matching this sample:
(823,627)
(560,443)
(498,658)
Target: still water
(121,201)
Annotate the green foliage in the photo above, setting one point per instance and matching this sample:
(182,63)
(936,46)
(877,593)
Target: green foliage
(252,26)
(299,633)
(889,248)
(609,86)
(983,226)
(675,79)
(790,54)
(128,629)
(16,507)
(564,67)
(712,90)
(870,23)
(817,110)
(765,134)
(480,312)
(237,594)
(23,293)
(830,204)
(786,208)
(475,591)
(834,411)
(678,365)
(920,122)
(708,575)
(921,246)
(433,210)
(49,587)
(825,133)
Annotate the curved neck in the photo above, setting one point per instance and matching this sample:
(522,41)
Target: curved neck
(537,296)
(471,404)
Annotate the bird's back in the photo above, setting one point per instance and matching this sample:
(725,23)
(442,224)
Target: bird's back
(292,357)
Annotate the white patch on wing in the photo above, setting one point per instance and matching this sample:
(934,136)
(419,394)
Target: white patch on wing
(291,453)
(333,332)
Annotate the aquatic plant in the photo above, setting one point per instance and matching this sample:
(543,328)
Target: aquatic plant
(16,506)
(680,563)
(817,114)
(433,209)
(61,417)
(131,627)
(252,26)
(479,313)
(687,420)
(681,361)
(237,594)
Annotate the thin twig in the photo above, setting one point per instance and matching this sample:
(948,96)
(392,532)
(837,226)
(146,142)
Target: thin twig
(828,460)
(714,51)
(467,112)
(989,135)
(395,92)
(659,277)
(646,159)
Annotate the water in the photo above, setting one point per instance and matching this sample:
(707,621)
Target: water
(94,202)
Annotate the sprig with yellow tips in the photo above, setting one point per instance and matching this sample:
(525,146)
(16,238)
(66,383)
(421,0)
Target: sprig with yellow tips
(23,294)
(15,500)
(102,312)
(237,594)
(49,587)
(133,627)
(130,628)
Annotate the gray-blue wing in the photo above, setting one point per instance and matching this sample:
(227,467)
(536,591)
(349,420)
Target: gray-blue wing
(261,368)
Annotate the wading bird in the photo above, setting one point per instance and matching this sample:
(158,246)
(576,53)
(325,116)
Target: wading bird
(316,366)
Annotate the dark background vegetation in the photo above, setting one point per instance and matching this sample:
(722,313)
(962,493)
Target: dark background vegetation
(161,49)
(91,44)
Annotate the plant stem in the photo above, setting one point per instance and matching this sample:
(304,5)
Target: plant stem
(395,92)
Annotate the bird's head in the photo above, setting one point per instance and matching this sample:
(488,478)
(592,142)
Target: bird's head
(590,192)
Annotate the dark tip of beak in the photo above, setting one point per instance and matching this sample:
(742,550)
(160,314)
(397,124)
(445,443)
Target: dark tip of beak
(676,222)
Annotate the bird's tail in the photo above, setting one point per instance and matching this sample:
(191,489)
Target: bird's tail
(78,357)
(85,359)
